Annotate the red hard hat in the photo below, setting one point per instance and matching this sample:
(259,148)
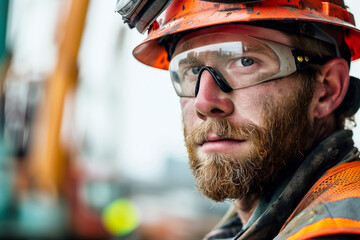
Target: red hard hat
(185,15)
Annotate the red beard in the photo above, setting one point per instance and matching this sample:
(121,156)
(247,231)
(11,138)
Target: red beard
(276,148)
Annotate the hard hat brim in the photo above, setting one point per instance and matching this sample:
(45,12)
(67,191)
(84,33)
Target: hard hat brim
(151,53)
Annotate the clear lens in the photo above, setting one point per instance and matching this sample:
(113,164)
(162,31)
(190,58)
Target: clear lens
(242,60)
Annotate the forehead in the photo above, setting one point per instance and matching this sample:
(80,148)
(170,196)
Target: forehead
(226,33)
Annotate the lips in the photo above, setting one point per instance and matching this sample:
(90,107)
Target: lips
(214,138)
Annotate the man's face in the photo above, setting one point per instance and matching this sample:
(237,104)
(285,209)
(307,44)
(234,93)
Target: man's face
(240,143)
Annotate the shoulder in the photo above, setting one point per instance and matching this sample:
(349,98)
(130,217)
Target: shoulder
(331,207)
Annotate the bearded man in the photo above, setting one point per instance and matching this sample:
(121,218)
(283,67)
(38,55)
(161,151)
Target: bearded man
(265,91)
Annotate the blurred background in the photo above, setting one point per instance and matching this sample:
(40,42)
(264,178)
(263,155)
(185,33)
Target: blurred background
(91,143)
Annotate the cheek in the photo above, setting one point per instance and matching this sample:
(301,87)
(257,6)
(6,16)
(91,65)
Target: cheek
(249,105)
(188,112)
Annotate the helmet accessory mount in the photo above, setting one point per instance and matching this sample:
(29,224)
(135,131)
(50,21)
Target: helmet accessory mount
(140,13)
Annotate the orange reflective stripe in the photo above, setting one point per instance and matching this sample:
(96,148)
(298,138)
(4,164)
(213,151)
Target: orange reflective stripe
(327,226)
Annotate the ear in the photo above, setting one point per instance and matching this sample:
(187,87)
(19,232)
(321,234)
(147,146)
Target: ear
(331,87)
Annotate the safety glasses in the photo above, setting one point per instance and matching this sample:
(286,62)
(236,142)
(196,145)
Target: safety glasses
(234,60)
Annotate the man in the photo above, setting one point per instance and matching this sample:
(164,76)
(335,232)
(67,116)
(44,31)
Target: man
(265,91)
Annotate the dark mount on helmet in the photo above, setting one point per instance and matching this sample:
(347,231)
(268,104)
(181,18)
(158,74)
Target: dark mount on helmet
(140,13)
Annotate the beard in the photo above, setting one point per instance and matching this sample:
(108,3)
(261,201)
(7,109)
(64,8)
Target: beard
(275,149)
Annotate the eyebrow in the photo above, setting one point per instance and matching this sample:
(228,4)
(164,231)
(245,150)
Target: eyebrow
(257,48)
(189,60)
(192,56)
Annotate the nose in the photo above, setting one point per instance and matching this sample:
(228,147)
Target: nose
(211,101)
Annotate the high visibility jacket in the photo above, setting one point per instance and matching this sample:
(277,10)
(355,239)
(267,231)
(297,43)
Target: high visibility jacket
(331,207)
(321,199)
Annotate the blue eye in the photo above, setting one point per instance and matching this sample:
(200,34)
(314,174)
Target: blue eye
(246,62)
(195,70)
(192,71)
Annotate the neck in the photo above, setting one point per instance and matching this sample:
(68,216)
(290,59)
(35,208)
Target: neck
(323,128)
(246,206)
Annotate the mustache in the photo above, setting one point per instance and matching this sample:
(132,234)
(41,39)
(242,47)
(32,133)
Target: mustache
(223,128)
